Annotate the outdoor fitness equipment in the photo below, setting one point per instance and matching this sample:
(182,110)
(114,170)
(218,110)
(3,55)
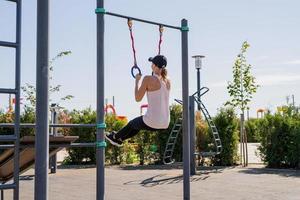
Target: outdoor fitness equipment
(135,65)
(120,117)
(42,97)
(144,106)
(177,128)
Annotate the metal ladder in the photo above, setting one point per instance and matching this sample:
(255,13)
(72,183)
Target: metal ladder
(15,138)
(169,150)
(213,128)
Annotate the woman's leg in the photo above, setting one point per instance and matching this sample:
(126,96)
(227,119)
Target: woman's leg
(132,129)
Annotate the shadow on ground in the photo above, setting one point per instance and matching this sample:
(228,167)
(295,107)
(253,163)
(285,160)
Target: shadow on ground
(75,166)
(202,174)
(279,172)
(150,167)
(164,179)
(214,169)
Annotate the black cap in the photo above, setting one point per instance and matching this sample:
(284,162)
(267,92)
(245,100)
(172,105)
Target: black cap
(160,61)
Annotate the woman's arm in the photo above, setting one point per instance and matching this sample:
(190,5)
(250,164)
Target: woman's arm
(140,92)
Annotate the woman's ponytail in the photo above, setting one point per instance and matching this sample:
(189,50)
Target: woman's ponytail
(164,73)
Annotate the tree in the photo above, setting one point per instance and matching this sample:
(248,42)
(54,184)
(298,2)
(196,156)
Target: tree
(30,90)
(241,91)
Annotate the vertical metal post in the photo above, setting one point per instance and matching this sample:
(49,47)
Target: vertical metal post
(185,98)
(9,103)
(53,132)
(192,135)
(198,65)
(243,155)
(241,141)
(100,151)
(17,97)
(42,102)
(198,87)
(248,114)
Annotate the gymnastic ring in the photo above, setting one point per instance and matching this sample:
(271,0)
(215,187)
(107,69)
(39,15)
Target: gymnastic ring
(137,68)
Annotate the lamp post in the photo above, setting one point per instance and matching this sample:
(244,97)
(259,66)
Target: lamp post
(198,66)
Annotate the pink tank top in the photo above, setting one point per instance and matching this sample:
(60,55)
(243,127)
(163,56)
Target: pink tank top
(158,113)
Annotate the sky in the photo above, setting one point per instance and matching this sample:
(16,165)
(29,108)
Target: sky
(217,30)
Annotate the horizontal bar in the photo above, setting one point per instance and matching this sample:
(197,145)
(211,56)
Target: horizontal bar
(8,44)
(7,138)
(7,186)
(7,91)
(7,125)
(142,20)
(73,125)
(199,92)
(178,101)
(7,146)
(12,0)
(73,145)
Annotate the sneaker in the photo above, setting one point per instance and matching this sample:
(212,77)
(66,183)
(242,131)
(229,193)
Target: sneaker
(113,140)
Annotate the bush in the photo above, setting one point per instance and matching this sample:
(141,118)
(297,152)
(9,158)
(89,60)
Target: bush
(79,155)
(6,117)
(280,141)
(28,116)
(252,130)
(113,155)
(203,136)
(146,146)
(118,155)
(227,125)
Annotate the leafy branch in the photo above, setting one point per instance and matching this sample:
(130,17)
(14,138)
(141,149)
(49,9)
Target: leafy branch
(30,90)
(243,86)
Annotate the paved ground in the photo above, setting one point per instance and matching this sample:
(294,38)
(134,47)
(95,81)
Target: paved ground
(253,157)
(252,154)
(148,183)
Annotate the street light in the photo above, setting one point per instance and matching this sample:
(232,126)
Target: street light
(198,66)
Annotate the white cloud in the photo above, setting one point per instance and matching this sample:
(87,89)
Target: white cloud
(266,80)
(219,84)
(262,58)
(292,62)
(277,79)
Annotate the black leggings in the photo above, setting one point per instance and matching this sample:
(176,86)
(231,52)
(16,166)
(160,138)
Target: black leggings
(133,128)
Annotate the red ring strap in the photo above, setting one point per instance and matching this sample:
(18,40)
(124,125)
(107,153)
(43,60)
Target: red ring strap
(132,41)
(161,29)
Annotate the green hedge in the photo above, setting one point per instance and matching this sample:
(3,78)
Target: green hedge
(252,130)
(114,155)
(6,118)
(28,116)
(203,135)
(227,125)
(280,140)
(146,147)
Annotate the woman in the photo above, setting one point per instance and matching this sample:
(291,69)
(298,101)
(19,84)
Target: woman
(157,116)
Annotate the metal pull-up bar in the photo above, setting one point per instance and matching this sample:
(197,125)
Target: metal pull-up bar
(102,11)
(28,125)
